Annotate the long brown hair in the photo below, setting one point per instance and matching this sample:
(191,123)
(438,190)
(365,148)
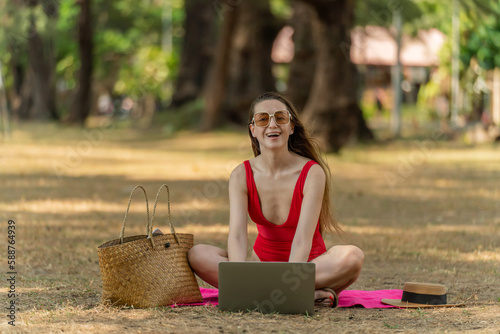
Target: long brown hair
(301,143)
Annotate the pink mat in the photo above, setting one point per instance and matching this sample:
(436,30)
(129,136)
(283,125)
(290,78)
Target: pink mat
(347,298)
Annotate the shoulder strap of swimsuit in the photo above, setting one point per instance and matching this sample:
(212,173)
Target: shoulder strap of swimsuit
(250,180)
(303,175)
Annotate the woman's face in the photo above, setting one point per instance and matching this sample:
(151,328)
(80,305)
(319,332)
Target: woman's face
(279,127)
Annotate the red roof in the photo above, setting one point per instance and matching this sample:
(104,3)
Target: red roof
(372,45)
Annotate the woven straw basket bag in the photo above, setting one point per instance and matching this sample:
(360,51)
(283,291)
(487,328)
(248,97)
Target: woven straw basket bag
(145,271)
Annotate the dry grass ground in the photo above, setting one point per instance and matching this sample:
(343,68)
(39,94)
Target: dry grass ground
(421,211)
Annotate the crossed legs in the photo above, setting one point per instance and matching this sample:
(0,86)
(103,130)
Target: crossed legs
(204,259)
(338,268)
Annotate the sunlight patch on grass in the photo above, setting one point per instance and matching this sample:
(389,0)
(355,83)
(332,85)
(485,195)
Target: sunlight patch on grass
(65,206)
(426,190)
(470,156)
(67,161)
(213,229)
(385,230)
(238,142)
(24,290)
(42,182)
(194,204)
(460,228)
(374,230)
(415,152)
(476,256)
(481,256)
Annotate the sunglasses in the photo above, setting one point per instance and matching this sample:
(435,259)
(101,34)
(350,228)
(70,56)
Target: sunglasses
(262,119)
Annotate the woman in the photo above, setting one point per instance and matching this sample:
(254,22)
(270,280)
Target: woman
(285,190)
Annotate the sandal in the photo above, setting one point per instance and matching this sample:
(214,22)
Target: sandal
(334,299)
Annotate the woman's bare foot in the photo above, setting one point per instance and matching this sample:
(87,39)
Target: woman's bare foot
(325,297)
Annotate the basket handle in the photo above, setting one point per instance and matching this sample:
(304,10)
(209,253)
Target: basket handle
(172,229)
(128,207)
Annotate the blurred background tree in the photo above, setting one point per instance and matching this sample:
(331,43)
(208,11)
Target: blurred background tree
(198,64)
(477,66)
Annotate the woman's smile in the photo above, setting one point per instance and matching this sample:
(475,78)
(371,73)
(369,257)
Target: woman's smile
(273,135)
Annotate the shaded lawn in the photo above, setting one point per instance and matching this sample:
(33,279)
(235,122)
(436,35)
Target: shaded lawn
(427,214)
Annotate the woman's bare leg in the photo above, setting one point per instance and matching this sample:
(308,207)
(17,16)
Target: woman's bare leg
(338,268)
(204,259)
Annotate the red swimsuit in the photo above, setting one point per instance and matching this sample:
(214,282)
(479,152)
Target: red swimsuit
(274,242)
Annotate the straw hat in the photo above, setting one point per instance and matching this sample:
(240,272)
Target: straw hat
(419,295)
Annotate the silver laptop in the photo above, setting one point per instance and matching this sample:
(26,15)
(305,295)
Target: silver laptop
(281,287)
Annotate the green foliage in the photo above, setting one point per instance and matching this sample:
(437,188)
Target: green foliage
(479,36)
(66,45)
(14,32)
(479,29)
(431,90)
(438,14)
(281,8)
(127,42)
(16,18)
(483,42)
(146,73)
(435,14)
(379,13)
(369,109)
(128,38)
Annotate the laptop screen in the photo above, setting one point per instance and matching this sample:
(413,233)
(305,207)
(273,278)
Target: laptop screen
(270,287)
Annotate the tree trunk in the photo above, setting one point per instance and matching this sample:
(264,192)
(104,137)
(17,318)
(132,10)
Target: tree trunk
(242,66)
(39,94)
(197,51)
(18,73)
(22,107)
(332,108)
(250,64)
(364,133)
(81,106)
(302,67)
(215,87)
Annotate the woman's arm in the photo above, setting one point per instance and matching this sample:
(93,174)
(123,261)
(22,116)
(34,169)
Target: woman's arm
(238,205)
(314,189)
